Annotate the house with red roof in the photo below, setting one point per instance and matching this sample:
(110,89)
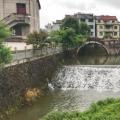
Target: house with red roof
(107,27)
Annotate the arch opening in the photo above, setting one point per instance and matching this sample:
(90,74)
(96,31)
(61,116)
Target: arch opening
(91,49)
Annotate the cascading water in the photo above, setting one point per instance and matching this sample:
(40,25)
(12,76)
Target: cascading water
(100,78)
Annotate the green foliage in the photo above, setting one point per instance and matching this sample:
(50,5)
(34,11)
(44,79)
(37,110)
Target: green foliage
(80,39)
(68,38)
(103,110)
(5,54)
(38,39)
(55,36)
(4,32)
(84,29)
(71,34)
(71,22)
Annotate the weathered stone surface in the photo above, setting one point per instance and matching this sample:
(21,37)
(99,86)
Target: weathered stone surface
(15,80)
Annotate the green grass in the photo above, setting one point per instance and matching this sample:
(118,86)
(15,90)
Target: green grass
(103,110)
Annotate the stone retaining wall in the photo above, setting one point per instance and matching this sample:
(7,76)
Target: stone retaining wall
(15,80)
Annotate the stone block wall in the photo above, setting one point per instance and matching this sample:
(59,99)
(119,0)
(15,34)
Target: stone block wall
(15,80)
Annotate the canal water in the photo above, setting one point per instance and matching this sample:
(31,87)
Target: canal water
(77,84)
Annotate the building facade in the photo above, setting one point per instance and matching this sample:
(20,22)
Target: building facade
(101,26)
(53,27)
(88,19)
(22,16)
(107,26)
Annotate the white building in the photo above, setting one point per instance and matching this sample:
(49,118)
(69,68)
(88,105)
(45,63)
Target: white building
(89,20)
(107,26)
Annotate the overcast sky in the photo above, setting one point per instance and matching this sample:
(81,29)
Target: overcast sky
(52,10)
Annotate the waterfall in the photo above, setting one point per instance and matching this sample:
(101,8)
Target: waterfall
(100,78)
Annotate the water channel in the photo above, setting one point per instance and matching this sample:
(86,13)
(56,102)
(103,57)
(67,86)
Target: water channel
(77,84)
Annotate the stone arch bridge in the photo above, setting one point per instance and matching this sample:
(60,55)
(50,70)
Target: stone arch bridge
(112,47)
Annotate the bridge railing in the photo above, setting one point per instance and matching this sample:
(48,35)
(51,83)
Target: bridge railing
(111,43)
(32,54)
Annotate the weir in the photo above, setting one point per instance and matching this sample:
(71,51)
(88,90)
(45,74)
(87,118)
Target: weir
(100,78)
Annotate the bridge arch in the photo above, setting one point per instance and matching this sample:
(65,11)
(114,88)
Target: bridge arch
(94,43)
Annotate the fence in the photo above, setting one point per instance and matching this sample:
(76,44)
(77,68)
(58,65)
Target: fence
(32,54)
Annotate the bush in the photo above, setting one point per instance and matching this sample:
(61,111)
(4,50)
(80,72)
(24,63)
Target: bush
(103,110)
(37,39)
(5,55)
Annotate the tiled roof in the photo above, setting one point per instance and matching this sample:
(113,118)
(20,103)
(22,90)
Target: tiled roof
(106,18)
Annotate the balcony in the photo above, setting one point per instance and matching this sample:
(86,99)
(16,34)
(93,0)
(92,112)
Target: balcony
(14,19)
(110,30)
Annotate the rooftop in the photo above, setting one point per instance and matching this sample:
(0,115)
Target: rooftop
(107,17)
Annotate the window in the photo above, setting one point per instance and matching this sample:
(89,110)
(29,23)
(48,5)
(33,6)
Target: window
(101,33)
(91,33)
(115,27)
(91,26)
(82,20)
(108,26)
(90,20)
(115,33)
(101,27)
(99,21)
(21,8)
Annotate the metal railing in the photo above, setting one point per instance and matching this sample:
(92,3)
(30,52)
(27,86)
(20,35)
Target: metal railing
(27,55)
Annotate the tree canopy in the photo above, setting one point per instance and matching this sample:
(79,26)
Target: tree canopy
(71,22)
(84,29)
(4,32)
(71,33)
(38,39)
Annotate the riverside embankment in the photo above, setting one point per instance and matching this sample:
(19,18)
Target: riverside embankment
(16,81)
(75,86)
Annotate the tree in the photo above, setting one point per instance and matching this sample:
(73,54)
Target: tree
(5,52)
(68,38)
(55,36)
(4,32)
(71,22)
(38,39)
(71,33)
(80,39)
(84,29)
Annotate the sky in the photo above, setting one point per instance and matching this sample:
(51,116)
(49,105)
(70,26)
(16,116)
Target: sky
(52,10)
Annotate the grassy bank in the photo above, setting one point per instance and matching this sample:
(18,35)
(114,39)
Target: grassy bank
(103,110)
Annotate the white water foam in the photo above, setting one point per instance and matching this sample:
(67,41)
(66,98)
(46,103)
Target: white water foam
(100,78)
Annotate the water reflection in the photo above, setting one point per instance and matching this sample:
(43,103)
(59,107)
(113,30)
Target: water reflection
(94,60)
(70,100)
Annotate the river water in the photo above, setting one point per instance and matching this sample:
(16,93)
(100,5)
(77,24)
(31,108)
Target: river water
(77,84)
